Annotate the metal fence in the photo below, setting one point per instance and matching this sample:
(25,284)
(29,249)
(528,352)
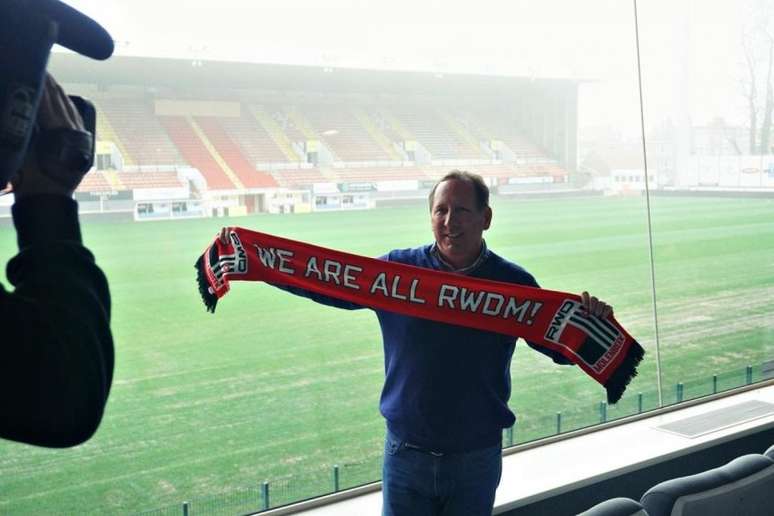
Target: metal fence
(268,494)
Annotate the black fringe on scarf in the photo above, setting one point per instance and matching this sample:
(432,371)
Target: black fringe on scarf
(210,299)
(616,384)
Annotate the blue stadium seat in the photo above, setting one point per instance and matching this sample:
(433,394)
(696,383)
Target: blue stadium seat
(742,487)
(770,452)
(616,507)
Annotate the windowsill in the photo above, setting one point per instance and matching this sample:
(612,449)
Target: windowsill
(545,470)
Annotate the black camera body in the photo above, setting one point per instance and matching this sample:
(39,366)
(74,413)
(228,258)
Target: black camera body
(28,30)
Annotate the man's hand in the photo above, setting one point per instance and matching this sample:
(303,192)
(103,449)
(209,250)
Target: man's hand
(56,111)
(595,307)
(223,235)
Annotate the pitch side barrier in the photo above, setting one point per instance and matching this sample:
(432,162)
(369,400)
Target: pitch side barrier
(749,193)
(344,482)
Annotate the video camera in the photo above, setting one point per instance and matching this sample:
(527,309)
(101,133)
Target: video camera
(28,30)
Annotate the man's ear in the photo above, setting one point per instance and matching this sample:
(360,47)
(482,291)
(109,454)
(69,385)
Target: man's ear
(487,217)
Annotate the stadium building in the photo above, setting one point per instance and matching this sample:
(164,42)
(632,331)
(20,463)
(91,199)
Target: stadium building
(220,138)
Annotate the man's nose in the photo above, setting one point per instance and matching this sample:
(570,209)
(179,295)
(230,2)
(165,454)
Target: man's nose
(452,218)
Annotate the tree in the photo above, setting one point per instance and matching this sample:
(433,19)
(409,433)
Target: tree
(758,50)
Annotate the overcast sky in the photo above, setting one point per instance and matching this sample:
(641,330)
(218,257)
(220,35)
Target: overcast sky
(690,49)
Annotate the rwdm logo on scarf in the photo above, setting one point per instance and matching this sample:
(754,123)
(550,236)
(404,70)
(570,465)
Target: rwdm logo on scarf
(599,340)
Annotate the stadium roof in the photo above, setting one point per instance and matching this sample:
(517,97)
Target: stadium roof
(163,72)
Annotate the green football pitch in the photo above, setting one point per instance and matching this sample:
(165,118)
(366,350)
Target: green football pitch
(276,388)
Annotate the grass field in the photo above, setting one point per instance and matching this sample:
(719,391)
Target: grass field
(274,387)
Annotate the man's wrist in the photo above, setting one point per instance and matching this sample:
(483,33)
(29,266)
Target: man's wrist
(42,218)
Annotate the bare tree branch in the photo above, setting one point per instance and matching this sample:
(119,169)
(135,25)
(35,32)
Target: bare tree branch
(751,93)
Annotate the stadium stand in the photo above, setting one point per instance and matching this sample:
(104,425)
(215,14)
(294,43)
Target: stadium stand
(275,126)
(95,182)
(433,133)
(359,134)
(392,128)
(231,151)
(140,132)
(261,134)
(255,142)
(111,176)
(105,132)
(350,141)
(195,153)
(503,170)
(380,174)
(298,178)
(232,155)
(294,123)
(375,128)
(305,177)
(132,180)
(491,124)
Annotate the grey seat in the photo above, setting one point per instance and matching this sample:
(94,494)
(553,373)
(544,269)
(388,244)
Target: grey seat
(616,507)
(743,487)
(770,452)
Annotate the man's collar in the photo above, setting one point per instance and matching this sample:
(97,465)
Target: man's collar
(465,270)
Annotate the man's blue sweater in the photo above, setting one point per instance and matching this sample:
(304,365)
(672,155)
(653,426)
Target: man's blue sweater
(446,387)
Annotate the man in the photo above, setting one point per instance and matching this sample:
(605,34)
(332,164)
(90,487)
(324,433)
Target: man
(56,349)
(446,389)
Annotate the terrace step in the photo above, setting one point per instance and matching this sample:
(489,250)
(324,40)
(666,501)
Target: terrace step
(460,131)
(214,153)
(111,176)
(376,134)
(106,132)
(302,124)
(275,133)
(396,125)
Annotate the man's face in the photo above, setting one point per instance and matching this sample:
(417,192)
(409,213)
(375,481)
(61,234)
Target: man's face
(457,222)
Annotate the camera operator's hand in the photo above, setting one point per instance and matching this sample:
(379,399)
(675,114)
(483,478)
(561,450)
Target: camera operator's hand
(56,111)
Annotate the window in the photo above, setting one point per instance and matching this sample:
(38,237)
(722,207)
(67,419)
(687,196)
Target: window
(205,408)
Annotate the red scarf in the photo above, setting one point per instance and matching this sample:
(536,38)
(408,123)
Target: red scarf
(601,347)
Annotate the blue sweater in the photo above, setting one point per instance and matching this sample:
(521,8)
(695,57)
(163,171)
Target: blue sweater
(446,387)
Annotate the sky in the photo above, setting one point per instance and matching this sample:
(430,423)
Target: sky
(690,49)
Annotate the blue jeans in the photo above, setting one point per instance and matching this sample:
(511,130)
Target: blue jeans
(419,482)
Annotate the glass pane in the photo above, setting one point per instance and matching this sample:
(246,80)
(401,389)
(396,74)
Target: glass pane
(707,88)
(595,241)
(274,398)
